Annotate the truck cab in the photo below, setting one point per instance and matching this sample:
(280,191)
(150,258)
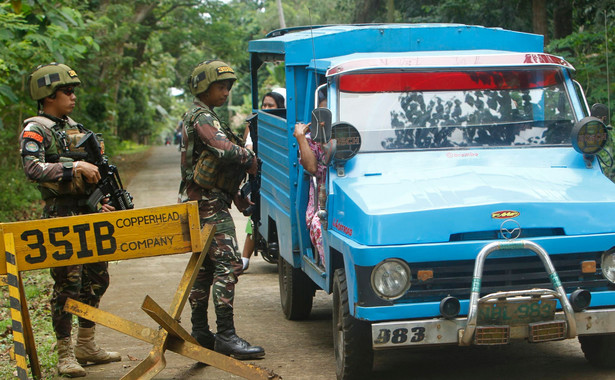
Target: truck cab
(463,204)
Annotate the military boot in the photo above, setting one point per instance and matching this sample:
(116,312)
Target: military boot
(227,341)
(67,364)
(86,349)
(200,327)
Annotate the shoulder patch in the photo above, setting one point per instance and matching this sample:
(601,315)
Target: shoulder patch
(31,146)
(224,70)
(32,135)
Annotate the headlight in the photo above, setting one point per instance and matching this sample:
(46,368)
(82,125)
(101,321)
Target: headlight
(608,265)
(391,279)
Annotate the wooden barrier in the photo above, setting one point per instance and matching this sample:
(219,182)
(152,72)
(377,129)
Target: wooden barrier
(119,235)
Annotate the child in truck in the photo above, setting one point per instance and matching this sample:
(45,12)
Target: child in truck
(311,157)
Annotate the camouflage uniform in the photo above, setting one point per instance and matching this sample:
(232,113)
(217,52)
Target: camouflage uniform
(223,262)
(46,162)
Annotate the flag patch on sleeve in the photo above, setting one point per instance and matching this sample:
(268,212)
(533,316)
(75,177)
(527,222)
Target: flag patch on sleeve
(33,135)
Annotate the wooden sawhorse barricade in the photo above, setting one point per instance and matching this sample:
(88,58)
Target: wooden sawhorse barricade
(113,236)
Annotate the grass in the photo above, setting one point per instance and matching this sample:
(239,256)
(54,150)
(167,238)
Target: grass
(38,283)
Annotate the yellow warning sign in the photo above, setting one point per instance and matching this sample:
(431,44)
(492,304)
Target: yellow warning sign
(118,235)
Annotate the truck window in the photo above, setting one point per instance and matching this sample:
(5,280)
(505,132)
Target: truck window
(457,109)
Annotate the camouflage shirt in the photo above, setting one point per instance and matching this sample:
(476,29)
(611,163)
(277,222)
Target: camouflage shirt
(44,158)
(208,135)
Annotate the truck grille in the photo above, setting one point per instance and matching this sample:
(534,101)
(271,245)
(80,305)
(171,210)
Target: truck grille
(502,274)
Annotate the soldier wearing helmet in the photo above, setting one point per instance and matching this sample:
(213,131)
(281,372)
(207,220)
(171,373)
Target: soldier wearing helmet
(50,158)
(214,162)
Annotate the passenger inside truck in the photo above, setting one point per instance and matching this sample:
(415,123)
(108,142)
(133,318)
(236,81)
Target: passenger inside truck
(312,158)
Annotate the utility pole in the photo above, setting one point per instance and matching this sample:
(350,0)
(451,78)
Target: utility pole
(281,14)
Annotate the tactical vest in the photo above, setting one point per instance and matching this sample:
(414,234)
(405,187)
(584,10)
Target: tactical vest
(63,148)
(209,172)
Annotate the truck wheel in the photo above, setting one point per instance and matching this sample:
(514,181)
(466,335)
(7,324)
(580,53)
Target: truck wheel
(354,356)
(296,291)
(269,252)
(599,350)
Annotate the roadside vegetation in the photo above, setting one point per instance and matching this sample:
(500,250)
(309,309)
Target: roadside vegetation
(133,59)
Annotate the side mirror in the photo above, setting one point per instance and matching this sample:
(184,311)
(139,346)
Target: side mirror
(589,136)
(320,127)
(348,143)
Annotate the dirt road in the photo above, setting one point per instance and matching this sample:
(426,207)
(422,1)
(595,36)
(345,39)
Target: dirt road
(294,350)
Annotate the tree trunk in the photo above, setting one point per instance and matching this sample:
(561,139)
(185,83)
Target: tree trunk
(366,11)
(562,19)
(281,14)
(539,18)
(390,5)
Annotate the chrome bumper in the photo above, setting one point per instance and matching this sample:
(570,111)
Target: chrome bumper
(443,331)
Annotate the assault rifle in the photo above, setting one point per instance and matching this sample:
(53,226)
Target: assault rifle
(110,185)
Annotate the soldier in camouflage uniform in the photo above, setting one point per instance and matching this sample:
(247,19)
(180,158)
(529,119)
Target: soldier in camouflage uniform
(50,158)
(214,163)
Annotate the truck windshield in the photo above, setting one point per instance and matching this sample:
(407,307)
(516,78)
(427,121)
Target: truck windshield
(457,109)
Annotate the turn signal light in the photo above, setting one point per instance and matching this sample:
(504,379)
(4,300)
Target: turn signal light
(588,266)
(424,275)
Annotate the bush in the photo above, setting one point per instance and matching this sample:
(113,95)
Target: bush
(19,198)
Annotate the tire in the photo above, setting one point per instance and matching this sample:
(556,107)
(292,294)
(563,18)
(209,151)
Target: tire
(268,252)
(296,291)
(354,356)
(599,350)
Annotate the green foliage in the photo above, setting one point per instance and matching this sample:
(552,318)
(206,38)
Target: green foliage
(19,198)
(499,13)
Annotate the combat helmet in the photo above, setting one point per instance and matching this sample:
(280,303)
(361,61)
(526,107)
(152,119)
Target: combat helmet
(207,72)
(45,79)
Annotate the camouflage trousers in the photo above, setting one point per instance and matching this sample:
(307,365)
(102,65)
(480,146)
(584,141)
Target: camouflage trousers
(84,283)
(222,265)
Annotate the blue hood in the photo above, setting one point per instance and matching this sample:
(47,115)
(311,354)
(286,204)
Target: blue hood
(438,196)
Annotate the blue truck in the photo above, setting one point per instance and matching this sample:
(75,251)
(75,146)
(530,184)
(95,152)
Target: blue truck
(464,202)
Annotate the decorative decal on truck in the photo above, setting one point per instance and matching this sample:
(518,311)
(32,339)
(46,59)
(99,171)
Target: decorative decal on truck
(504,214)
(342,228)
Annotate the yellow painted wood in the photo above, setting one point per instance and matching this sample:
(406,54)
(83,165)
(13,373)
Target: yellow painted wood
(111,236)
(151,308)
(115,236)
(2,258)
(172,335)
(155,361)
(29,335)
(152,364)
(194,223)
(112,321)
(228,364)
(15,295)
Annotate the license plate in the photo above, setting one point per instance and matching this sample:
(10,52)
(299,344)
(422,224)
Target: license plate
(516,312)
